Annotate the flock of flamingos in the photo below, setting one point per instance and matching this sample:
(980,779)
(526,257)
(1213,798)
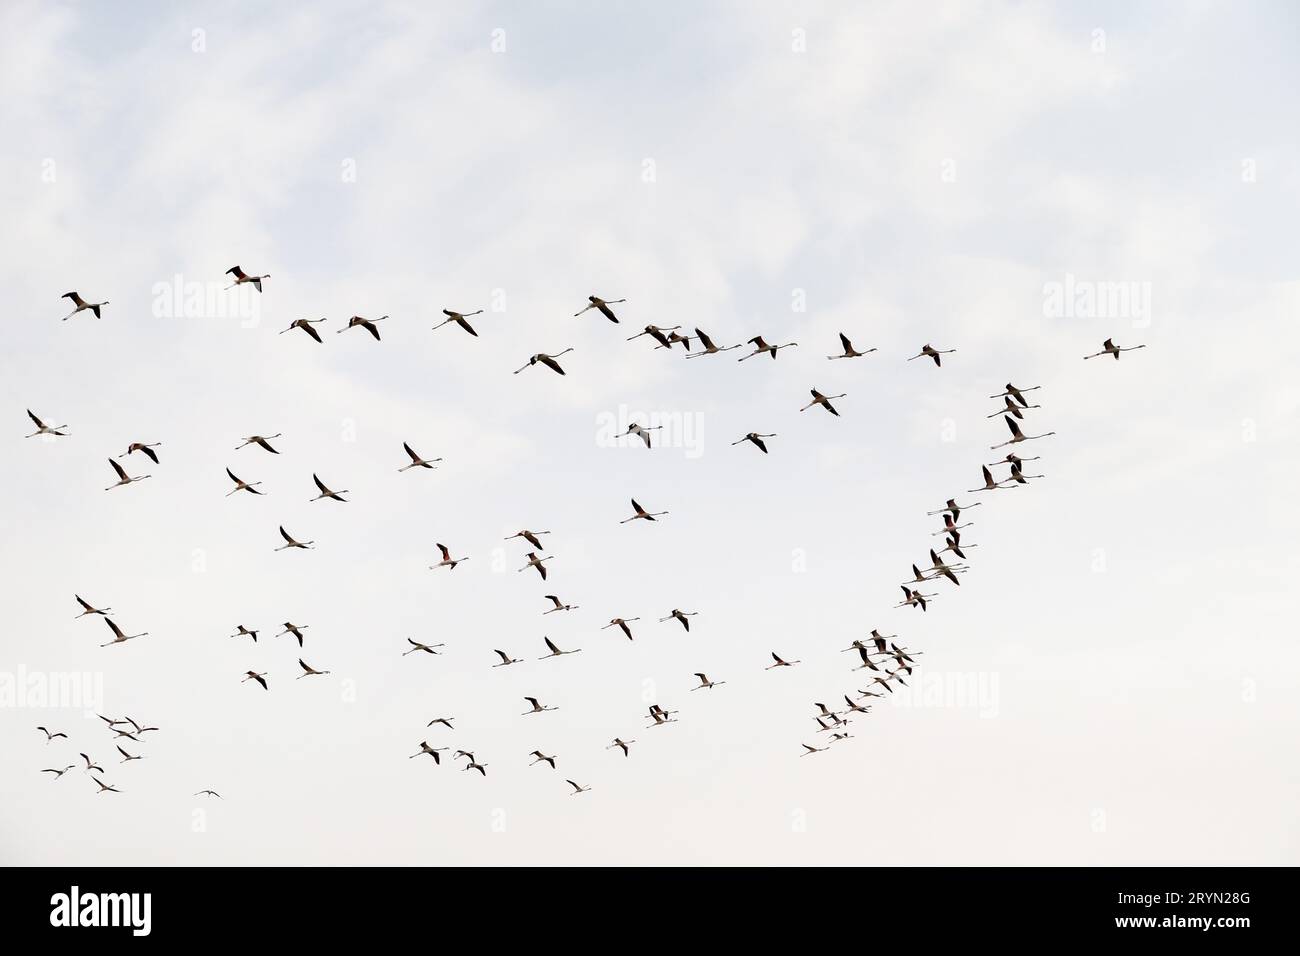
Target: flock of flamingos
(886,661)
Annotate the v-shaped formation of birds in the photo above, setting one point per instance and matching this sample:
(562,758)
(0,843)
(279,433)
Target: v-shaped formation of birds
(887,661)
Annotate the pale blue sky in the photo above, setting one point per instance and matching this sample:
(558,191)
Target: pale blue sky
(1138,714)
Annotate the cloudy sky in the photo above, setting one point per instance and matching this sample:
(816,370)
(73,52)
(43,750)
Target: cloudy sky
(1115,679)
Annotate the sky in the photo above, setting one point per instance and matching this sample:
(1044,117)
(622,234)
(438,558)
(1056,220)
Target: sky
(1113,682)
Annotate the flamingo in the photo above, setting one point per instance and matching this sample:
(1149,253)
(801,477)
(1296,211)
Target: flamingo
(294,629)
(642,513)
(760,347)
(1019,477)
(674,338)
(1012,459)
(780,662)
(756,439)
(537,707)
(325,492)
(603,305)
(530,537)
(261,441)
(459,318)
(954,508)
(680,616)
(254,675)
(555,651)
(431,751)
(657,334)
(446,722)
(989,485)
(708,347)
(950,526)
(953,544)
(547,360)
(559,605)
(622,745)
(126,757)
(118,636)
(88,608)
(367,324)
(417,646)
(926,350)
(622,624)
(1016,393)
(535,562)
(948,571)
(849,350)
(642,432)
(105,788)
(480,767)
(308,670)
(1016,434)
(447,560)
(209,793)
(506,659)
(865,655)
(577,789)
(241,485)
(44,429)
(141,446)
(91,765)
(914,598)
(416,460)
(661,716)
(245,632)
(81,305)
(291,543)
(705,683)
(1110,348)
(1011,408)
(306,326)
(823,400)
(857,708)
(241,278)
(51,736)
(812,750)
(58,773)
(542,758)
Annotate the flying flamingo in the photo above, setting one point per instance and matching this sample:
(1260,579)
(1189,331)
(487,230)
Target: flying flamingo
(447,560)
(547,360)
(81,305)
(306,326)
(603,305)
(141,446)
(44,429)
(367,324)
(416,460)
(459,318)
(760,347)
(241,278)
(118,636)
(1110,348)
(1016,434)
(849,350)
(291,543)
(926,350)
(708,347)
(642,513)
(823,400)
